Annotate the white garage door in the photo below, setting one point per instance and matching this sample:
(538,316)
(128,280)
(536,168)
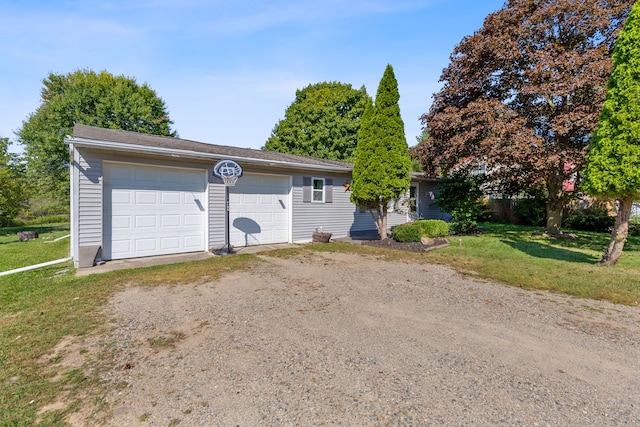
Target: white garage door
(153,211)
(259,210)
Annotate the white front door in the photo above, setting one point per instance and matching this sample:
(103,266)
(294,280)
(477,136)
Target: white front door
(151,210)
(259,210)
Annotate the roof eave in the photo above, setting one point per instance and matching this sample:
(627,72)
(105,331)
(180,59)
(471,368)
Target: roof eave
(172,152)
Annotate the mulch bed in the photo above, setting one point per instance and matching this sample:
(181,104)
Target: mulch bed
(388,243)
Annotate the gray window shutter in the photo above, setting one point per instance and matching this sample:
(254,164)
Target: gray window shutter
(306,189)
(328,190)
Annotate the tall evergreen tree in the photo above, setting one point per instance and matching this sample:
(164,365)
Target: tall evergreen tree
(613,161)
(382,163)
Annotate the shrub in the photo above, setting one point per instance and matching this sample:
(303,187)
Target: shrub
(46,219)
(413,231)
(634,229)
(463,227)
(590,222)
(460,195)
(593,218)
(532,208)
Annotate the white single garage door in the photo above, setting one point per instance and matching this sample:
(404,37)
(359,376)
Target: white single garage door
(259,210)
(153,210)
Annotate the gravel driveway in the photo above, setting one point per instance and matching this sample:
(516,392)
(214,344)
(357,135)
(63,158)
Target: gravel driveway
(341,339)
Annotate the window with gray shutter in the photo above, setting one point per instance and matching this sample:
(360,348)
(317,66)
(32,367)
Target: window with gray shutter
(328,190)
(306,189)
(318,190)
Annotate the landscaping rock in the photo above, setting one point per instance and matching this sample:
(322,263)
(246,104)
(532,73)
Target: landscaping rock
(427,241)
(439,242)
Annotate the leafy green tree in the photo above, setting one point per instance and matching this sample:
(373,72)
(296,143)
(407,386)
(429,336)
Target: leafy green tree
(382,163)
(523,94)
(613,161)
(13,197)
(90,98)
(460,195)
(322,121)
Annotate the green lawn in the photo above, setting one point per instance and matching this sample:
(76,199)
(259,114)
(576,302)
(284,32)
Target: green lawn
(16,254)
(515,256)
(39,308)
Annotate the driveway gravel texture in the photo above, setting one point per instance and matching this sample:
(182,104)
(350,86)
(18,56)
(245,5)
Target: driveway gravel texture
(342,339)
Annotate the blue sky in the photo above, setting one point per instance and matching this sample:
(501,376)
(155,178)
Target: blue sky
(227,70)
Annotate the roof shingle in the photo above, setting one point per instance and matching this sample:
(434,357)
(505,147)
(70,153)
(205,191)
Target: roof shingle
(168,142)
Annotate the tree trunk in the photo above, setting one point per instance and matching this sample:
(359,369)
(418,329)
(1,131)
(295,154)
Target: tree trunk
(619,233)
(380,220)
(381,225)
(555,205)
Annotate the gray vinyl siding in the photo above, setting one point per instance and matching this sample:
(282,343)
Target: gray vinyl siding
(336,217)
(217,212)
(363,221)
(427,208)
(89,175)
(340,217)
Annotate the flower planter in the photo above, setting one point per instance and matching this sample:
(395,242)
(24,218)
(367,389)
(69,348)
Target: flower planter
(321,237)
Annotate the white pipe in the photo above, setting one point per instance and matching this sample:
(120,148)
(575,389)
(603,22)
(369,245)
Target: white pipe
(58,239)
(33,267)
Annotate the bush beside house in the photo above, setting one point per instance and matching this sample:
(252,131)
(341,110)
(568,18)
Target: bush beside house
(414,231)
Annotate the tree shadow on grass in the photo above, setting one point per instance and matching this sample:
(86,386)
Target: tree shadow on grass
(539,250)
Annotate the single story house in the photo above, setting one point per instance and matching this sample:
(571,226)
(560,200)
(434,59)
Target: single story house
(138,195)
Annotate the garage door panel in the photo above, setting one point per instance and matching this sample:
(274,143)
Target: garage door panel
(145,245)
(170,220)
(266,217)
(120,246)
(266,199)
(193,220)
(170,243)
(171,198)
(146,221)
(250,199)
(193,242)
(121,222)
(121,197)
(191,199)
(160,211)
(146,197)
(257,210)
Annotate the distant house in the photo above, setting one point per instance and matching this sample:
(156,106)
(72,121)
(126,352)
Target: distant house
(137,195)
(569,185)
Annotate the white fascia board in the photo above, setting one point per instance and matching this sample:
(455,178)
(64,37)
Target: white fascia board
(143,149)
(75,201)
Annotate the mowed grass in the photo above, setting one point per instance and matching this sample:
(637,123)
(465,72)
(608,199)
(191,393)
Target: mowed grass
(40,308)
(15,254)
(515,256)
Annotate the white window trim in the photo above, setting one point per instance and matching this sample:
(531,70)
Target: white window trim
(314,190)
